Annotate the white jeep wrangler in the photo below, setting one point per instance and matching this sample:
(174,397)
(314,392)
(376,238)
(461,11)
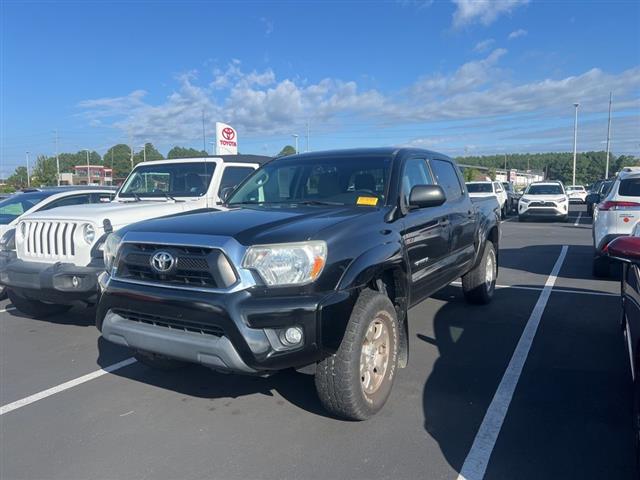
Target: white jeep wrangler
(58,253)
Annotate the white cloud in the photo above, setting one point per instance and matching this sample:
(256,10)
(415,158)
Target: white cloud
(269,25)
(482,11)
(259,103)
(484,45)
(521,32)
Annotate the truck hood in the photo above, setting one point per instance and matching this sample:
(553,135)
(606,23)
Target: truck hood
(260,225)
(118,213)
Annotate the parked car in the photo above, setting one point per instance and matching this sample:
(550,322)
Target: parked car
(59,252)
(487,188)
(614,216)
(512,197)
(577,193)
(544,200)
(627,250)
(599,191)
(16,206)
(314,266)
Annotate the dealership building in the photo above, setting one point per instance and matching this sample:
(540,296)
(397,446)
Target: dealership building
(88,175)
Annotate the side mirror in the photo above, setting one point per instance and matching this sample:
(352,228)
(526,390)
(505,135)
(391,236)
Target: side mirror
(225,193)
(422,196)
(625,248)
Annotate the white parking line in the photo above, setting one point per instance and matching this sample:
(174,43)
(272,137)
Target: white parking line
(475,465)
(578,219)
(555,290)
(10,407)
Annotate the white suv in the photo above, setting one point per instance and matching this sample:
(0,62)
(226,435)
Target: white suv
(59,252)
(489,189)
(544,200)
(577,193)
(615,216)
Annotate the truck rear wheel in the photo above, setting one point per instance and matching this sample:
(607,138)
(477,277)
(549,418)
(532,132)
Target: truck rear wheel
(35,308)
(479,284)
(158,362)
(355,382)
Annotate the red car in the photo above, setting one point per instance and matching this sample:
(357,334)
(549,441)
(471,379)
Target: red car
(627,250)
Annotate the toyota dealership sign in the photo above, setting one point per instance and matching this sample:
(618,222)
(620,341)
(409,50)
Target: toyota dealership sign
(226,139)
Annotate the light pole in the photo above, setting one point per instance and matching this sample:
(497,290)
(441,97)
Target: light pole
(88,169)
(28,172)
(213,148)
(606,170)
(575,143)
(57,158)
(144,152)
(295,135)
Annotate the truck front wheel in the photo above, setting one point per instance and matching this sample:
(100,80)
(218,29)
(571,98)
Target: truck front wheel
(35,308)
(479,284)
(355,382)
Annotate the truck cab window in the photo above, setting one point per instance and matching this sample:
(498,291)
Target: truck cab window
(447,178)
(415,173)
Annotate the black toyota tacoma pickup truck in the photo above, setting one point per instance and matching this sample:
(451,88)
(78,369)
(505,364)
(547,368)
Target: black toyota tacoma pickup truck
(313,267)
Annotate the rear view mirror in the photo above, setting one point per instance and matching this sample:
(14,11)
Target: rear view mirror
(625,248)
(225,193)
(422,196)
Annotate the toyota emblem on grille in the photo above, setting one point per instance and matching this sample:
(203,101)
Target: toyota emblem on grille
(163,262)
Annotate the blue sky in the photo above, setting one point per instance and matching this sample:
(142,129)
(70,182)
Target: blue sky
(458,76)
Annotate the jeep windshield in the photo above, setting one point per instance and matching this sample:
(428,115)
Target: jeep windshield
(317,181)
(14,206)
(170,180)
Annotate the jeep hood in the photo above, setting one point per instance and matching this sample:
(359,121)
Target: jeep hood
(118,213)
(261,225)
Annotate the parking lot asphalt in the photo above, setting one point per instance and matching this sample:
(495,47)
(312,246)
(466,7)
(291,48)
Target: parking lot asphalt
(568,415)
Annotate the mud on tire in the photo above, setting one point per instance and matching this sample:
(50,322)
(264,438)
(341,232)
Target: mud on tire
(356,381)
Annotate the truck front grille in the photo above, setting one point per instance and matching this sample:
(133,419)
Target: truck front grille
(53,240)
(170,323)
(196,267)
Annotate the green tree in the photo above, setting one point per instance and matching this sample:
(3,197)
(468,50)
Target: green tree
(181,152)
(118,157)
(286,150)
(149,152)
(492,174)
(45,172)
(18,179)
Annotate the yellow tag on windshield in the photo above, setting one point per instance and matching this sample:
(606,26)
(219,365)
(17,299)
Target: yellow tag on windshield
(371,201)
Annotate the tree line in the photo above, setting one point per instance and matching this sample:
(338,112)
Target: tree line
(590,166)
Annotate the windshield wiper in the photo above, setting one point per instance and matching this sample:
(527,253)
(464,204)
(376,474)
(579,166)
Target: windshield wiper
(136,196)
(169,197)
(317,202)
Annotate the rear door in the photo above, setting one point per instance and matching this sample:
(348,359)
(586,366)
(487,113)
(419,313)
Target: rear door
(461,213)
(425,233)
(627,213)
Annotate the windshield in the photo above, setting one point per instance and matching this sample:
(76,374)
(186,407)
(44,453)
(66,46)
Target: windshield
(340,181)
(479,188)
(544,190)
(14,206)
(172,179)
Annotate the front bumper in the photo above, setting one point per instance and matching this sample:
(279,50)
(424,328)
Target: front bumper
(52,283)
(236,332)
(542,211)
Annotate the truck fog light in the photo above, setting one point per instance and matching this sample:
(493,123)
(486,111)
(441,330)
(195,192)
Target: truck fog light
(75,281)
(293,335)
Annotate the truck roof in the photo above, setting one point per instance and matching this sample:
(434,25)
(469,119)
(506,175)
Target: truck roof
(361,152)
(259,159)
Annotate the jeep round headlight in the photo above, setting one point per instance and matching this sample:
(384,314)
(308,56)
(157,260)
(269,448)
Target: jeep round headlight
(110,250)
(287,263)
(88,233)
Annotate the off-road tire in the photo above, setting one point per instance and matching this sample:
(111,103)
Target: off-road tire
(601,267)
(158,362)
(479,284)
(35,308)
(338,379)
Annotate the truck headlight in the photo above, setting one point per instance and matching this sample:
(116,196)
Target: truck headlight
(88,233)
(287,263)
(8,241)
(110,250)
